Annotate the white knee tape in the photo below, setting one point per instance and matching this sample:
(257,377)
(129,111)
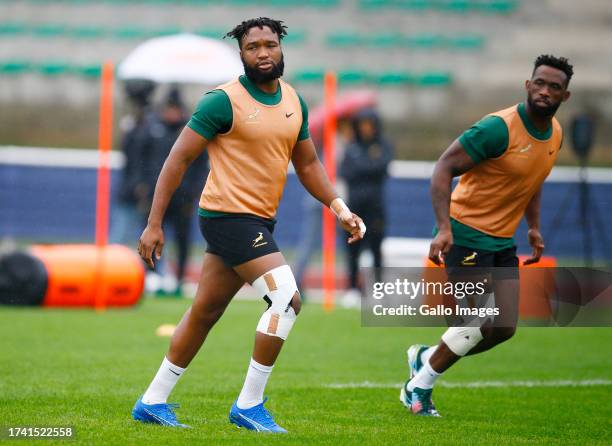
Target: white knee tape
(280,287)
(461,340)
(277,324)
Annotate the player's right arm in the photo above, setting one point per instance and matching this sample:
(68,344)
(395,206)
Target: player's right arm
(488,138)
(453,162)
(188,146)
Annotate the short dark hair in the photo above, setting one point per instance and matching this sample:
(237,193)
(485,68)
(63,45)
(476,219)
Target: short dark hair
(560,63)
(240,30)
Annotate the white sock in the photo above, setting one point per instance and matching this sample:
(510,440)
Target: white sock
(254,385)
(163,383)
(427,354)
(425,379)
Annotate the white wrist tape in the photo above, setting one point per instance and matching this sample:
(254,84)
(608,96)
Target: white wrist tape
(340,209)
(362,228)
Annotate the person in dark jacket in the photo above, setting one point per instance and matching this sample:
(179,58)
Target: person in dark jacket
(130,202)
(365,170)
(162,133)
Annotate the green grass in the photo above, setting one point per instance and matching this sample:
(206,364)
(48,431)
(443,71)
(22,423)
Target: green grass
(80,368)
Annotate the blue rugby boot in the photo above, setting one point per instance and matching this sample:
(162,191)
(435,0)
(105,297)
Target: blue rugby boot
(257,418)
(156,413)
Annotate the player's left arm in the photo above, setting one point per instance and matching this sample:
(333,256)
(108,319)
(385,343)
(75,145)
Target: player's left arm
(312,175)
(536,241)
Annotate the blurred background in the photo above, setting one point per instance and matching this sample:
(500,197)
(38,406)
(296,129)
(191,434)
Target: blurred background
(433,66)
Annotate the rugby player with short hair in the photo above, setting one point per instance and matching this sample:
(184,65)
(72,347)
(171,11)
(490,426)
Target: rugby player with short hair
(252,128)
(503,160)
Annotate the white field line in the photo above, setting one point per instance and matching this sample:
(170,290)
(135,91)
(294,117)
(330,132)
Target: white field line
(479,384)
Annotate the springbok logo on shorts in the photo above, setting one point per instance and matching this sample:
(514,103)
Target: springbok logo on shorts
(259,241)
(470,260)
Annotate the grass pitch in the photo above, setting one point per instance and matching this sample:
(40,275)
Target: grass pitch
(82,369)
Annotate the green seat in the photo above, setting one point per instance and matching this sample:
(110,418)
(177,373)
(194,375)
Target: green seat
(49,30)
(197,2)
(89,71)
(53,68)
(321,3)
(425,40)
(435,79)
(12,28)
(87,32)
(386,40)
(286,3)
(14,67)
(166,31)
(499,6)
(456,6)
(374,4)
(417,5)
(213,33)
(395,78)
(130,32)
(467,42)
(241,2)
(353,76)
(312,75)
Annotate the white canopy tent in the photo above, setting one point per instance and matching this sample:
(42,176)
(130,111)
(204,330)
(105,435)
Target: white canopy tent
(182,58)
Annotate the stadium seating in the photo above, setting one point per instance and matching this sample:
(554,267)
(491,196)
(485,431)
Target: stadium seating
(13,67)
(392,43)
(206,3)
(423,41)
(448,6)
(54,30)
(312,75)
(384,78)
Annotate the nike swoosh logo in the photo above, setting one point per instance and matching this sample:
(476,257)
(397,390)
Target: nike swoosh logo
(524,149)
(288,115)
(177,374)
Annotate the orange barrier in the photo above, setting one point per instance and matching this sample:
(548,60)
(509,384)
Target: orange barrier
(77,273)
(537,284)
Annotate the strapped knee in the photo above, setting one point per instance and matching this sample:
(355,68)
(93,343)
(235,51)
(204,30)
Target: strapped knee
(278,288)
(460,340)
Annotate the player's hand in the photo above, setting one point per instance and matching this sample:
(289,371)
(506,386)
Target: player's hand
(350,222)
(440,246)
(151,241)
(354,225)
(536,241)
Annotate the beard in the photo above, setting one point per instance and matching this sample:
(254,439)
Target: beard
(259,77)
(547,111)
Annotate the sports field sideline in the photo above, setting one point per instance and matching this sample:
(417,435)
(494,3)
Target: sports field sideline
(335,382)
